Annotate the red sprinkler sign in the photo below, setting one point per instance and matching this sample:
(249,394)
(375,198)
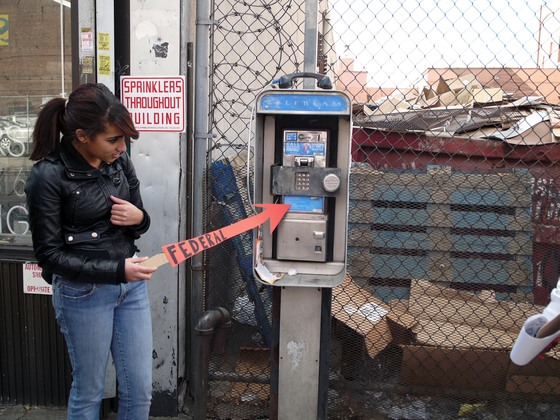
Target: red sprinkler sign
(156,104)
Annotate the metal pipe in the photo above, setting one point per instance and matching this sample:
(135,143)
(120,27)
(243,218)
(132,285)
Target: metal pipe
(62,46)
(539,36)
(239,377)
(310,41)
(200,137)
(211,319)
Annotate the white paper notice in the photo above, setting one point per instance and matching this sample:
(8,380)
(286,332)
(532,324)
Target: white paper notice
(33,283)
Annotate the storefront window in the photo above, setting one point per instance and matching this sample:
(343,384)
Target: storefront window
(35,57)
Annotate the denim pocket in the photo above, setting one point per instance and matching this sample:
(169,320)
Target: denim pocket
(75,289)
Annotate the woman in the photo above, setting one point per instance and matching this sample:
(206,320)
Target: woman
(85,213)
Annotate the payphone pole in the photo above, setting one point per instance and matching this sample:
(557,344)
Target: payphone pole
(302,158)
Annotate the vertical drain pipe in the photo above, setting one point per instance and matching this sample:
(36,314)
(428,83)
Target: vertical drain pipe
(201,138)
(211,319)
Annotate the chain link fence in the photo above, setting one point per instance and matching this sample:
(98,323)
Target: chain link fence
(453,237)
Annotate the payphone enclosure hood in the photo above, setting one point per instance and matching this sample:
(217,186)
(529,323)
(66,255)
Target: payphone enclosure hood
(302,157)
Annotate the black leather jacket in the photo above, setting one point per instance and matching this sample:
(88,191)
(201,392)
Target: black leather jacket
(69,215)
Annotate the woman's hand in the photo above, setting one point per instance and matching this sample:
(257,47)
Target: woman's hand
(136,272)
(124,213)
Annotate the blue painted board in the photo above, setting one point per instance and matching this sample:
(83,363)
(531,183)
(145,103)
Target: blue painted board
(492,244)
(400,240)
(489,271)
(398,216)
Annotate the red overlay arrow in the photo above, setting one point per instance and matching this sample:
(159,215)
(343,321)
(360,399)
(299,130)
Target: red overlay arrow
(181,251)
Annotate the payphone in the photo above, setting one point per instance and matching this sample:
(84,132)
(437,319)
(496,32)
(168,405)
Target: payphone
(303,235)
(302,158)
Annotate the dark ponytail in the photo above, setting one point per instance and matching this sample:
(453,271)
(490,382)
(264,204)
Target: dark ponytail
(91,108)
(48,128)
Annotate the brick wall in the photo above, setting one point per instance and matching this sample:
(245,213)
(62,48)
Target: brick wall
(31,63)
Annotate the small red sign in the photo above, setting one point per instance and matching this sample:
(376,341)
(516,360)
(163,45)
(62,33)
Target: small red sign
(156,104)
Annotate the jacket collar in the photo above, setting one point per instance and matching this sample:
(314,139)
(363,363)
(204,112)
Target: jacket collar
(74,162)
(71,157)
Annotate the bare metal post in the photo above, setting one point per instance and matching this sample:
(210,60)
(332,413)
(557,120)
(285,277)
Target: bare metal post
(200,147)
(310,41)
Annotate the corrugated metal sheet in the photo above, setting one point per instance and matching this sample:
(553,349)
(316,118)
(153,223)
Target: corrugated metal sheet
(34,364)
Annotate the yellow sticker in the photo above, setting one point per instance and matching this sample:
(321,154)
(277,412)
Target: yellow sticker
(104,65)
(103,41)
(4,31)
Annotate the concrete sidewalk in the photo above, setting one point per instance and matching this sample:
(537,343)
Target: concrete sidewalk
(53,413)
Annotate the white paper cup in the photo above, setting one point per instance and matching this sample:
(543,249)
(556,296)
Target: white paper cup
(527,346)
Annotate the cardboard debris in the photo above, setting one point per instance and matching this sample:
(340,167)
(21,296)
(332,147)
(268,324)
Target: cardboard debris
(372,319)
(530,122)
(531,130)
(252,362)
(488,96)
(425,102)
(391,105)
(432,302)
(463,339)
(554,115)
(450,338)
(452,318)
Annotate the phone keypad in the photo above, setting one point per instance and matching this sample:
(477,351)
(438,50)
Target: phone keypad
(302,181)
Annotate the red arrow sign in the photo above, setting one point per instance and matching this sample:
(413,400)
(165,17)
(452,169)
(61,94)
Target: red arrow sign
(181,251)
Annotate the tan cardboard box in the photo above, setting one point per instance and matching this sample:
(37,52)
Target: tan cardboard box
(369,317)
(463,339)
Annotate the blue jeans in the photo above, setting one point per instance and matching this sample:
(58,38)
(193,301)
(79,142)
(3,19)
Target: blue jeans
(96,319)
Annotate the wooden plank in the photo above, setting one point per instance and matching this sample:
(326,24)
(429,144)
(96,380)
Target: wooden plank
(360,212)
(360,235)
(440,215)
(440,239)
(437,239)
(444,267)
(391,293)
(364,264)
(513,188)
(520,244)
(401,216)
(519,184)
(519,221)
(475,270)
(486,197)
(441,267)
(413,192)
(398,240)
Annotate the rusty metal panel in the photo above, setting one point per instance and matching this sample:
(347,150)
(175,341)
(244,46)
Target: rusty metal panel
(34,364)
